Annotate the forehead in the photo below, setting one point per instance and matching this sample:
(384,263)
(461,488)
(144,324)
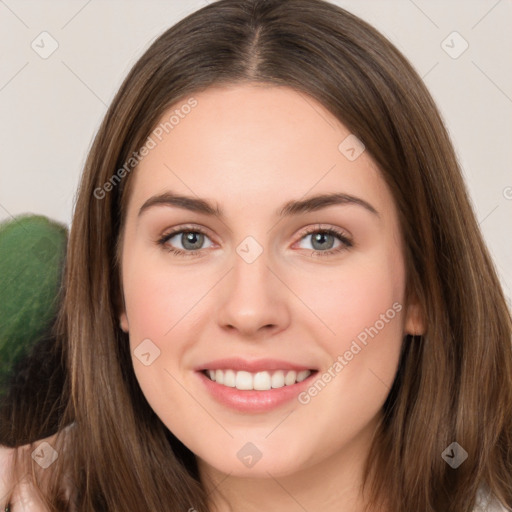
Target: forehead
(256,142)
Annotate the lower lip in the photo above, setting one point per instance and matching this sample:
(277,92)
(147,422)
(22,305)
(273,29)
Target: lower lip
(251,400)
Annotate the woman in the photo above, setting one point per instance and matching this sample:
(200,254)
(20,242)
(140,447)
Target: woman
(249,370)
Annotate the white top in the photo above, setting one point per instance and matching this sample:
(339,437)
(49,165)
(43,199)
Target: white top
(486,502)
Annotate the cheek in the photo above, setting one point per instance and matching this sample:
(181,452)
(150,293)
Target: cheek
(158,298)
(357,297)
(362,325)
(361,330)
(158,304)
(163,305)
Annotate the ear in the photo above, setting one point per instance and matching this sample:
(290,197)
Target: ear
(415,322)
(123,321)
(121,306)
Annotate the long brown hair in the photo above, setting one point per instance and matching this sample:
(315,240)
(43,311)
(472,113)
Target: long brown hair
(454,384)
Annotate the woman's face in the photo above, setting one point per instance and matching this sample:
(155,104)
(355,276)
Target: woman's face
(300,328)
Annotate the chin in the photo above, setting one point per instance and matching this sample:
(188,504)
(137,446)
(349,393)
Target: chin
(265,467)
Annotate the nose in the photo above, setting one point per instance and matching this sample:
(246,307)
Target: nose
(253,299)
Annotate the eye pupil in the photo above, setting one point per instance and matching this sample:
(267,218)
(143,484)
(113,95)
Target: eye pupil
(320,237)
(196,239)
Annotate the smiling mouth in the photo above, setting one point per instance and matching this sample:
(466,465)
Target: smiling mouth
(257,381)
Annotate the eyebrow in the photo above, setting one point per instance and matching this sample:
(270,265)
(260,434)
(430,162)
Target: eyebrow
(291,208)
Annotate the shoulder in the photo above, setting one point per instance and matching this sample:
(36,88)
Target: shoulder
(17,491)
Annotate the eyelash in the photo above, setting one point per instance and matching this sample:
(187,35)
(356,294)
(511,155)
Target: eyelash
(346,242)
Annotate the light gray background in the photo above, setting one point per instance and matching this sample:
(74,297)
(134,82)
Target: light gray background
(51,108)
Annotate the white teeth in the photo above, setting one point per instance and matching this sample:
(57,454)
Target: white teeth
(260,381)
(278,379)
(290,378)
(243,380)
(304,374)
(230,378)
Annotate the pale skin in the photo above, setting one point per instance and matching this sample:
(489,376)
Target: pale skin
(249,149)
(16,487)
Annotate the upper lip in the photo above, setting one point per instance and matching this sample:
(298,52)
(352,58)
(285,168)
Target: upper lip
(252,366)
